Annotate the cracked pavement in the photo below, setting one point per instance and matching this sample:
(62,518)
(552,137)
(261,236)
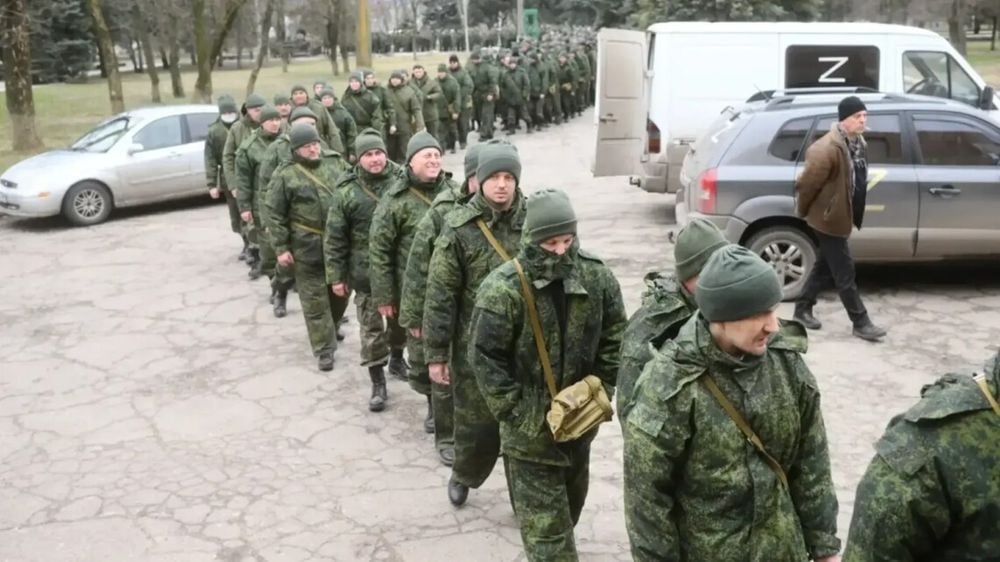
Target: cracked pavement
(152,408)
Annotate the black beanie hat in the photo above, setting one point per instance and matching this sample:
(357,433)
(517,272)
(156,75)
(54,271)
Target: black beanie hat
(301,135)
(453,58)
(269,112)
(300,112)
(227,104)
(282,99)
(255,100)
(849,106)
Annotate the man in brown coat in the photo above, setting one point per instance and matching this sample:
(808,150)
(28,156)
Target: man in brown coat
(830,196)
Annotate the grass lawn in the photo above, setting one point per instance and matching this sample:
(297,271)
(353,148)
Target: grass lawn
(65,111)
(984,60)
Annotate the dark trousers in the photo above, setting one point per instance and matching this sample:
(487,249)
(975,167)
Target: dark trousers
(834,268)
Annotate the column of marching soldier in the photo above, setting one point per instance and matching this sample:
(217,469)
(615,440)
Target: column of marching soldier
(726,455)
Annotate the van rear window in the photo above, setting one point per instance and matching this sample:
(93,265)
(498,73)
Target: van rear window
(832,66)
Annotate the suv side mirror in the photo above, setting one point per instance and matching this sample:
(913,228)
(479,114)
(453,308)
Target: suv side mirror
(986,98)
(135,147)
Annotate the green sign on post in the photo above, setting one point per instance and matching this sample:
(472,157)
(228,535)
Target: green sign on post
(532,28)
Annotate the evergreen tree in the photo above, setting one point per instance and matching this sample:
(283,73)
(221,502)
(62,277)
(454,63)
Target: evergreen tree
(62,44)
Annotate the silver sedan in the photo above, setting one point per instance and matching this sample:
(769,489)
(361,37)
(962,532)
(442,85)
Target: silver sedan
(140,156)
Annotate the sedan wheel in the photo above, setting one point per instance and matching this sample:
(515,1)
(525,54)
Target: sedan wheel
(790,252)
(87,203)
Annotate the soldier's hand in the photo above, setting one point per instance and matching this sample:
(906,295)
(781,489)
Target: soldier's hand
(392,129)
(339,289)
(213,192)
(454,117)
(286,259)
(439,373)
(489,97)
(232,192)
(247,217)
(387,311)
(415,332)
(834,558)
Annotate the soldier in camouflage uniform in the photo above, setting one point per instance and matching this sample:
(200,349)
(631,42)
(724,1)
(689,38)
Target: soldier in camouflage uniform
(393,227)
(539,84)
(462,258)
(409,117)
(342,118)
(486,91)
(345,246)
(364,106)
(449,108)
(582,80)
(298,202)
(466,92)
(567,85)
(932,492)
(695,486)
(328,131)
(215,144)
(430,91)
(515,90)
(667,304)
(239,132)
(249,191)
(283,103)
(553,101)
(388,112)
(582,316)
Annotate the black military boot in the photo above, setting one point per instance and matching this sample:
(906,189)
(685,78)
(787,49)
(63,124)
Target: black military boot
(457,492)
(429,420)
(804,315)
(397,366)
(325,362)
(245,253)
(379,395)
(280,301)
(447,456)
(868,331)
(340,330)
(256,265)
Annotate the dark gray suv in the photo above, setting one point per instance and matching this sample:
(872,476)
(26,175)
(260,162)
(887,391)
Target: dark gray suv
(933,191)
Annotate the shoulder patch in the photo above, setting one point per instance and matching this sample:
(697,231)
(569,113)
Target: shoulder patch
(646,419)
(900,448)
(791,337)
(461,215)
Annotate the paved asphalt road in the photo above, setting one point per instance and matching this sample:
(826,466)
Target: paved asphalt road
(152,409)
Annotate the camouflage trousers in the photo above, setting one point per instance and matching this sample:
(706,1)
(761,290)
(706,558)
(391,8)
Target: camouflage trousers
(487,118)
(373,331)
(431,124)
(553,107)
(448,129)
(321,310)
(536,109)
(442,403)
(477,434)
(396,145)
(281,277)
(235,222)
(464,125)
(548,501)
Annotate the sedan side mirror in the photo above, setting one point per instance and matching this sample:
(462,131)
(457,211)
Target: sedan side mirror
(135,147)
(986,98)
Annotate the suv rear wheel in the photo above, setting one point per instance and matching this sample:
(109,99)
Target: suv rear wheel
(790,252)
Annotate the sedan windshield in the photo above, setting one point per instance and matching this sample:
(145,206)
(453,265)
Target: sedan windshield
(104,136)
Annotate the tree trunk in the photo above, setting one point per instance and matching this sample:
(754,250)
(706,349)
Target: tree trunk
(163,57)
(203,85)
(464,7)
(280,33)
(176,83)
(136,65)
(363,44)
(956,25)
(146,41)
(17,75)
(265,30)
(345,54)
(239,44)
(107,47)
(413,36)
(333,32)
(233,8)
(993,35)
(101,63)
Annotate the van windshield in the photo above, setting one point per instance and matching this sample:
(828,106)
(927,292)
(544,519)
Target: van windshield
(931,73)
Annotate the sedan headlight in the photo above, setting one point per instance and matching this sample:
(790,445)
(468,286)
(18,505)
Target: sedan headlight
(8,183)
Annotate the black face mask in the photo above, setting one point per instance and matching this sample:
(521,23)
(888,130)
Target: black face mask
(546,266)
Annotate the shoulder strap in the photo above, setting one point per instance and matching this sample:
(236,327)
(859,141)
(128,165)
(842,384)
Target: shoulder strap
(420,196)
(536,328)
(708,382)
(368,192)
(492,239)
(313,177)
(981,381)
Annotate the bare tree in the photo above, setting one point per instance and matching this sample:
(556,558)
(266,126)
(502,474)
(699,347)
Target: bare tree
(363,44)
(17,75)
(265,30)
(333,32)
(280,32)
(207,54)
(957,16)
(463,11)
(414,10)
(146,41)
(107,47)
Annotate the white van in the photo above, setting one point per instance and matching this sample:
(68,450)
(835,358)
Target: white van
(658,90)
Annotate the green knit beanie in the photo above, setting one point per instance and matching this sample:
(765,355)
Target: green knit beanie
(420,141)
(282,99)
(472,159)
(227,104)
(269,112)
(549,214)
(736,284)
(442,67)
(327,91)
(255,100)
(498,158)
(302,134)
(300,112)
(368,139)
(299,88)
(695,243)
(356,76)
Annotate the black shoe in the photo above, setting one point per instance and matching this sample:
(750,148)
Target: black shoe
(273,293)
(457,493)
(244,254)
(453,151)
(429,420)
(463,145)
(806,318)
(325,362)
(398,367)
(869,332)
(256,271)
(447,456)
(255,264)
(379,395)
(280,300)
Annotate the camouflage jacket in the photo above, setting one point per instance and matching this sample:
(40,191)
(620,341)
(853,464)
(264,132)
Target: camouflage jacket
(365,108)
(451,100)
(505,360)
(515,87)
(394,224)
(388,112)
(666,306)
(431,90)
(249,156)
(345,125)
(297,207)
(278,152)
(538,78)
(215,144)
(405,105)
(567,77)
(348,224)
(466,86)
(238,132)
(411,303)
(695,489)
(932,492)
(462,258)
(329,133)
(483,79)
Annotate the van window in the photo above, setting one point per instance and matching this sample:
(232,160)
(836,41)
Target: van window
(937,74)
(787,144)
(832,66)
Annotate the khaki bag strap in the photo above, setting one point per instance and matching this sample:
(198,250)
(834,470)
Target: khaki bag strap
(313,177)
(708,382)
(367,191)
(981,381)
(536,328)
(307,228)
(492,239)
(420,196)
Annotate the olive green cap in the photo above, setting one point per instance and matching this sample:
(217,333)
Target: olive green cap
(695,244)
(300,112)
(420,141)
(549,214)
(368,139)
(269,112)
(302,134)
(736,284)
(255,100)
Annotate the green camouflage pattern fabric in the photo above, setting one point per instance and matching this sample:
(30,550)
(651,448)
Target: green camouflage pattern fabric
(328,131)
(666,306)
(462,258)
(249,192)
(450,101)
(466,86)
(582,316)
(695,489)
(278,153)
(406,107)
(239,132)
(365,108)
(431,92)
(932,492)
(345,125)
(215,144)
(515,87)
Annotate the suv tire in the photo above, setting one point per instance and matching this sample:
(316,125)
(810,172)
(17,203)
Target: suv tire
(790,252)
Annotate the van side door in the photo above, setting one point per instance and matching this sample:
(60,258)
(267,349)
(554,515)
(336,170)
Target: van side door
(621,102)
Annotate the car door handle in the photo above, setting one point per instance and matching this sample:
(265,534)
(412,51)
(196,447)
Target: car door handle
(175,155)
(610,117)
(945,191)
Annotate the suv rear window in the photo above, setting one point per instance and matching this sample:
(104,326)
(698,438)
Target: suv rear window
(787,144)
